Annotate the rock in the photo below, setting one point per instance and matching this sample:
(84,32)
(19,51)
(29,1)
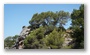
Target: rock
(19,41)
(67,39)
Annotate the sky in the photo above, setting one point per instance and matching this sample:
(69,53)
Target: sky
(18,15)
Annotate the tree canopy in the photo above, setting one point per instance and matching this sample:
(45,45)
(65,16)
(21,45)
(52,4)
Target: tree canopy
(10,41)
(50,18)
(77,17)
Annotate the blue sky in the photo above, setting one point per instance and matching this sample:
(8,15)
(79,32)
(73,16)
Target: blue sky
(18,15)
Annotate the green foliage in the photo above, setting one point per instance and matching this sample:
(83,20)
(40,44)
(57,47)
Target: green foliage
(54,39)
(10,41)
(68,47)
(43,29)
(77,17)
(47,30)
(35,38)
(49,18)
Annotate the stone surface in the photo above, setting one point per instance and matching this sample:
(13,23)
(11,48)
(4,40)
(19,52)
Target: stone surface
(19,41)
(67,40)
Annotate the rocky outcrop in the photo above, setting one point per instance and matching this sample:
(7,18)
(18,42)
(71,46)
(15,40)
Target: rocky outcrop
(20,40)
(67,38)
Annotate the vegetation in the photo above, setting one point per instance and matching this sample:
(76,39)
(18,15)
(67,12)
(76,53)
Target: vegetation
(47,30)
(10,41)
(77,17)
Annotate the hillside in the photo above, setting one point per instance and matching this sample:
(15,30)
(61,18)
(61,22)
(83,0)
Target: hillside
(46,31)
